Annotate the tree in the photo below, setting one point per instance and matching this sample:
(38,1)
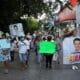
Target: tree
(11,10)
(30,25)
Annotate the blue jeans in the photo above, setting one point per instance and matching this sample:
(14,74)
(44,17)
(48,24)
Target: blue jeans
(23,57)
(39,57)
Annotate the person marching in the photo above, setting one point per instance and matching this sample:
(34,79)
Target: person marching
(5,55)
(22,52)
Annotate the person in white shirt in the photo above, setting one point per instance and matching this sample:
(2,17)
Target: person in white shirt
(29,36)
(22,53)
(12,51)
(28,43)
(5,56)
(34,34)
(34,38)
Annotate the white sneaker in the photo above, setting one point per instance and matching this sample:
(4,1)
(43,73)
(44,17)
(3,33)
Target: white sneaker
(74,67)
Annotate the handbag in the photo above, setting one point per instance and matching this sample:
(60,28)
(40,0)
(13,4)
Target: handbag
(55,57)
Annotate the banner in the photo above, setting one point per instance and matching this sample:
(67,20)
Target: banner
(73,58)
(46,47)
(67,14)
(16,30)
(70,56)
(73,2)
(78,14)
(4,44)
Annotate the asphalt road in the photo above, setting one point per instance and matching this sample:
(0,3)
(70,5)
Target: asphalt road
(37,72)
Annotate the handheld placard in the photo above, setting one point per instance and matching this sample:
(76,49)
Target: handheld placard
(46,47)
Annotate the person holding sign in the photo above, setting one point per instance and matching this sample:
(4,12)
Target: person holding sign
(39,56)
(5,52)
(48,48)
(22,52)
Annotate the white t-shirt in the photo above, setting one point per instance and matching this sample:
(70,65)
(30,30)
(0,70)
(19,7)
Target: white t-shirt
(27,43)
(34,35)
(13,46)
(29,36)
(22,47)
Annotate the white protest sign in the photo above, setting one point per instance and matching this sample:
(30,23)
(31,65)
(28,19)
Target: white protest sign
(16,30)
(4,44)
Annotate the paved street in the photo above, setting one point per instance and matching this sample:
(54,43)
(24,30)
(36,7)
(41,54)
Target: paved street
(35,72)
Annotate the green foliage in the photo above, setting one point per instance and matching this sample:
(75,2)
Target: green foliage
(30,25)
(12,10)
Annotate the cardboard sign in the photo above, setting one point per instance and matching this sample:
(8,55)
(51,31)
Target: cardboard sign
(67,14)
(47,47)
(4,44)
(16,30)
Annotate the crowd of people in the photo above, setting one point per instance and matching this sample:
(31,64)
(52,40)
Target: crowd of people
(69,43)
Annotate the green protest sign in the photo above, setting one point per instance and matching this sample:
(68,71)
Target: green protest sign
(46,47)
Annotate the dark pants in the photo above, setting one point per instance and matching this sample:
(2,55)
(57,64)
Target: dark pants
(49,60)
(28,54)
(12,55)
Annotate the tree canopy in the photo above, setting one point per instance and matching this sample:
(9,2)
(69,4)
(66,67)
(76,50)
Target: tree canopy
(13,9)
